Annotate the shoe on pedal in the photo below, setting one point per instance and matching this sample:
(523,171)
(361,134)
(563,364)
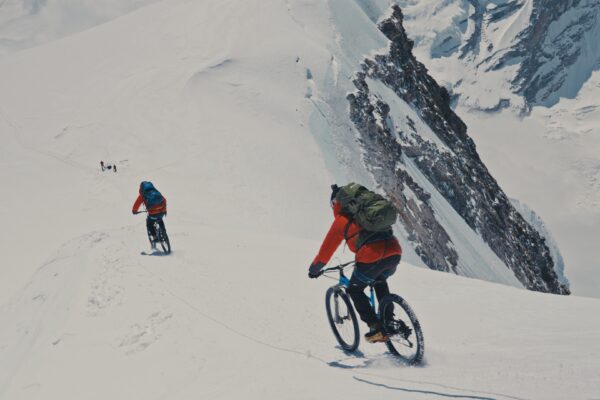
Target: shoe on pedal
(375,335)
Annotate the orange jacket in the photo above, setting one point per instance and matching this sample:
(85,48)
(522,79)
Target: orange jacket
(368,253)
(158,209)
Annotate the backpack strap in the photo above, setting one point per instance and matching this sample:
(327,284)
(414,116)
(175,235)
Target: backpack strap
(346,237)
(347,228)
(371,238)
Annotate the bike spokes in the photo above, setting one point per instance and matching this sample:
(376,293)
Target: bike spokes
(342,318)
(160,238)
(403,329)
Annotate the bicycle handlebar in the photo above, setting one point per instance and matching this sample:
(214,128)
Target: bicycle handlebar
(338,267)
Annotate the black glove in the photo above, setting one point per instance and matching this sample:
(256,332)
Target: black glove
(314,271)
(135,212)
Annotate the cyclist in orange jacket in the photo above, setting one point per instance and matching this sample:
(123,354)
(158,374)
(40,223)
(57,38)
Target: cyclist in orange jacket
(156,206)
(376,261)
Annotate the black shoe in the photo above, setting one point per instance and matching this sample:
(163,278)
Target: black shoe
(375,335)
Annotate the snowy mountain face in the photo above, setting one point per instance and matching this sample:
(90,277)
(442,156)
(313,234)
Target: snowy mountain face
(428,159)
(29,23)
(518,53)
(238,111)
(557,52)
(524,75)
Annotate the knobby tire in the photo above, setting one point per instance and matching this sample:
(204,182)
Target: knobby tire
(334,294)
(396,345)
(163,239)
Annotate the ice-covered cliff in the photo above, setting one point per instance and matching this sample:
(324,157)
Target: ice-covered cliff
(418,150)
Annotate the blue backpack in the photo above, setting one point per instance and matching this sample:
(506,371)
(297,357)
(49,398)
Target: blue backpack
(152,197)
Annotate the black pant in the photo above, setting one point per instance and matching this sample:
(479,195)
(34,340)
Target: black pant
(363,276)
(150,225)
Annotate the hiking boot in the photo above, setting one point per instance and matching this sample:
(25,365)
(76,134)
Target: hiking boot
(375,335)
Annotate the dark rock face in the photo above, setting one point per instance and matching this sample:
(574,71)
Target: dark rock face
(458,174)
(472,44)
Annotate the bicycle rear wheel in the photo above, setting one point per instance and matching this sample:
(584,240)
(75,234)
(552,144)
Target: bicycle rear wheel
(342,318)
(403,328)
(150,239)
(163,239)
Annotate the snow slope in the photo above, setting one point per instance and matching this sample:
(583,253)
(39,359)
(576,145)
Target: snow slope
(215,102)
(102,321)
(29,23)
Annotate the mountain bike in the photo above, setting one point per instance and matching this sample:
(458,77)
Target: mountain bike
(161,234)
(398,320)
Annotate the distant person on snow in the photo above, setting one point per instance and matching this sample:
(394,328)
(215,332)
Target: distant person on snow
(376,260)
(115,168)
(156,206)
(102,165)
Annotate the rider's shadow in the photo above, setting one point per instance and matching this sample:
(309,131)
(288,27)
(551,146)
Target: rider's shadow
(155,253)
(358,360)
(354,360)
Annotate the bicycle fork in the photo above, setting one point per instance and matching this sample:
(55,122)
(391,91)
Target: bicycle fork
(372,299)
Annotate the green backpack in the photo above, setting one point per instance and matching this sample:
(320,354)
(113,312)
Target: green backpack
(369,210)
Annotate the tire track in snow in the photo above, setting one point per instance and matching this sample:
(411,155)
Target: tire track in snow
(437,394)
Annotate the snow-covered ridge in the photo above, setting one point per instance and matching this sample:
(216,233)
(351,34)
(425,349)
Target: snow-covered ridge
(518,53)
(29,23)
(524,76)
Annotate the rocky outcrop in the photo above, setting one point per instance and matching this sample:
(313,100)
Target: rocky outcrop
(453,168)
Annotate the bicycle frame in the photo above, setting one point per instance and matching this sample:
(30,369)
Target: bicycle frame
(344,282)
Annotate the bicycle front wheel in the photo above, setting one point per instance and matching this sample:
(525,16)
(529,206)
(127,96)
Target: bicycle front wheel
(342,318)
(403,329)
